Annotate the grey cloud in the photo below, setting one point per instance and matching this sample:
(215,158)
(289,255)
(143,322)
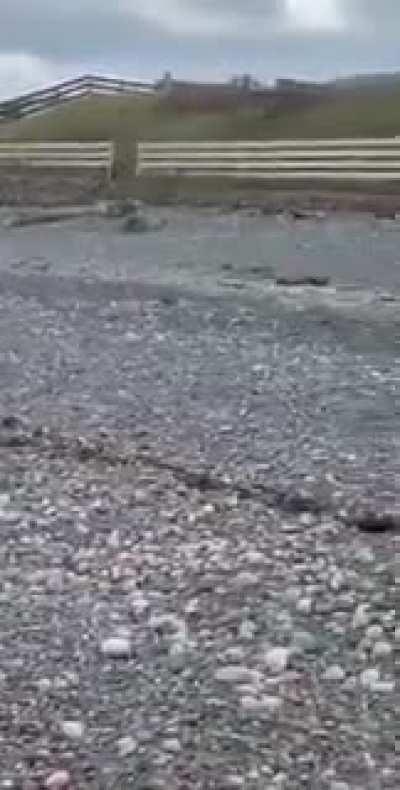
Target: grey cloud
(196,37)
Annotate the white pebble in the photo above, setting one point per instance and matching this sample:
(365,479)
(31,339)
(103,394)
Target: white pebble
(361,616)
(59,780)
(383,687)
(116,647)
(171,745)
(374,632)
(304,605)
(234,674)
(126,746)
(246,579)
(261,704)
(73,729)
(382,649)
(369,677)
(247,629)
(364,554)
(138,603)
(334,672)
(277,659)
(338,581)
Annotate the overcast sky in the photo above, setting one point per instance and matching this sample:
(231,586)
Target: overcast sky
(44,40)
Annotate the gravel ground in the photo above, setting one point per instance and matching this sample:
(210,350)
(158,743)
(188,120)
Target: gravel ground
(186,598)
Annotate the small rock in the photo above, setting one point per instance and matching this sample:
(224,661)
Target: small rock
(116,647)
(383,687)
(140,223)
(311,280)
(277,659)
(374,632)
(362,616)
(303,641)
(171,745)
(304,606)
(73,729)
(247,629)
(369,677)
(365,555)
(44,685)
(338,581)
(382,649)
(59,780)
(334,673)
(55,580)
(232,782)
(377,521)
(293,594)
(246,579)
(339,786)
(261,704)
(138,603)
(234,674)
(127,746)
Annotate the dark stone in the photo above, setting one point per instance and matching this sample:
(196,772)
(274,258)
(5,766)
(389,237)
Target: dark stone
(385,213)
(298,213)
(11,423)
(375,521)
(139,223)
(314,280)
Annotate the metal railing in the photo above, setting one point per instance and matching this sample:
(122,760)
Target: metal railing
(372,159)
(99,155)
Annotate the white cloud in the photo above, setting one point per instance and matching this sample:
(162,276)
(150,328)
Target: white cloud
(318,15)
(255,20)
(20,73)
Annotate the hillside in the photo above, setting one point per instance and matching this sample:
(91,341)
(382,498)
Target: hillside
(128,119)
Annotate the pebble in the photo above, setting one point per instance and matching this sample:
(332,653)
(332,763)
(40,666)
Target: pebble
(171,745)
(234,674)
(364,554)
(127,746)
(247,629)
(303,641)
(116,647)
(304,606)
(369,677)
(138,604)
(339,786)
(362,616)
(338,581)
(260,704)
(277,659)
(73,729)
(293,594)
(382,649)
(246,579)
(59,780)
(374,632)
(334,672)
(232,782)
(383,686)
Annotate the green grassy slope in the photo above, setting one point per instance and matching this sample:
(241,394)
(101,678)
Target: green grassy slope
(130,118)
(127,119)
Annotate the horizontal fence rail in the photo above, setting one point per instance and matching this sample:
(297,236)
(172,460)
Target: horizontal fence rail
(98,155)
(372,159)
(38,101)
